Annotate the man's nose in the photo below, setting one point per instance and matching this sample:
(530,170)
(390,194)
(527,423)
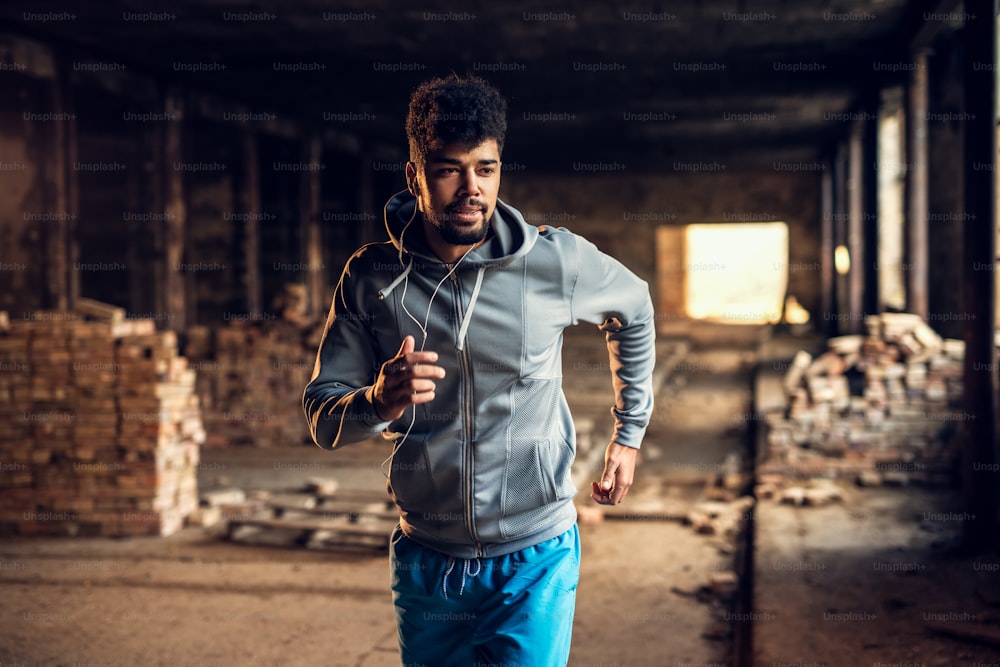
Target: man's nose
(469,184)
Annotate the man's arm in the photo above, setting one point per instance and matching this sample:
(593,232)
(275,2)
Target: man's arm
(337,400)
(608,294)
(347,401)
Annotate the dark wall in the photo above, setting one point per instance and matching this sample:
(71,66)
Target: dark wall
(620,213)
(27,215)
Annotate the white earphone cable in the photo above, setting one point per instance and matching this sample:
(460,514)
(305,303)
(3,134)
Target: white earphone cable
(422,327)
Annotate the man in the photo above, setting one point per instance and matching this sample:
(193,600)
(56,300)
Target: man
(447,339)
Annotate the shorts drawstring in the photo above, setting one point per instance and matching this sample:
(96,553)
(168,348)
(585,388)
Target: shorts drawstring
(466,570)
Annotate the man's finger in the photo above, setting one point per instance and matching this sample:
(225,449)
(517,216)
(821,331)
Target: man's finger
(417,386)
(608,479)
(599,495)
(409,345)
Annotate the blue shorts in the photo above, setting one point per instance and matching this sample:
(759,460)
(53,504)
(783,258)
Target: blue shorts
(514,610)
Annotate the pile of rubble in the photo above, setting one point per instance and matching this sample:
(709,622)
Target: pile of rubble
(879,409)
(250,380)
(99,425)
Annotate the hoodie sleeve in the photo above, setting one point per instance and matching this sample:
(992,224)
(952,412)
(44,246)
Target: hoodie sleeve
(606,293)
(337,401)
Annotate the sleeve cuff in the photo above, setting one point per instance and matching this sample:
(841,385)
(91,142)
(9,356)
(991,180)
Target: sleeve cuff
(629,434)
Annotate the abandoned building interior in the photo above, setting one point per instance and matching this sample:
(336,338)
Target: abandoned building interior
(808,189)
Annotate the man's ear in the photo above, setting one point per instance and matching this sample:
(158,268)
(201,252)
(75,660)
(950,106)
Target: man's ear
(411,178)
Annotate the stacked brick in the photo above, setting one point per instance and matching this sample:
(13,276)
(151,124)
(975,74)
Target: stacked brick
(100,427)
(250,379)
(878,408)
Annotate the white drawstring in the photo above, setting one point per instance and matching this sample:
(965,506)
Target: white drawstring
(466,570)
(385,291)
(423,327)
(468,313)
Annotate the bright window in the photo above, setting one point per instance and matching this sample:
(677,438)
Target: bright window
(736,273)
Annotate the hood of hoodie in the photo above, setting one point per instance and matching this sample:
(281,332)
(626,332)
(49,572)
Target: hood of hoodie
(512,237)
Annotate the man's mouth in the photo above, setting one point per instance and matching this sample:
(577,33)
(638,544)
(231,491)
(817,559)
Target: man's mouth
(467,214)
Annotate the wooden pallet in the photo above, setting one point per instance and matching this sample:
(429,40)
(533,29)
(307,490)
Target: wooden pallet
(310,533)
(316,521)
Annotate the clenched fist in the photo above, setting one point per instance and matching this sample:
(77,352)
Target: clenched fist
(406,379)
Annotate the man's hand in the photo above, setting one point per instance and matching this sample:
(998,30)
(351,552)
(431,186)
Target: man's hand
(619,469)
(406,379)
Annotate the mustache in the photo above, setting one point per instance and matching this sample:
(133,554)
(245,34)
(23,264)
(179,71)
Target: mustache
(466,203)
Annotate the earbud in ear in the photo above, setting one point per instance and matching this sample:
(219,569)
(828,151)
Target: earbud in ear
(411,178)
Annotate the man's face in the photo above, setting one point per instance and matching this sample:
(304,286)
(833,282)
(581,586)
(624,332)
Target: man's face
(457,190)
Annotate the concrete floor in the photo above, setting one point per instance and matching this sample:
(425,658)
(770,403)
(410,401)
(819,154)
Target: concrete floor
(868,581)
(193,599)
(876,579)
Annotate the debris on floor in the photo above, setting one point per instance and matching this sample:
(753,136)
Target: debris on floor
(315,516)
(878,409)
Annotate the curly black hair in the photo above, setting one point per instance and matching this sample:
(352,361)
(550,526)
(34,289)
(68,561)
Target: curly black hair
(460,109)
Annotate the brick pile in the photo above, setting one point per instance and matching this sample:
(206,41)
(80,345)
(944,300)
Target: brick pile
(99,427)
(250,379)
(878,408)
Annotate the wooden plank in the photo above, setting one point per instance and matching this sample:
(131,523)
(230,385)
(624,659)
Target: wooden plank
(352,513)
(356,495)
(100,310)
(307,529)
(345,528)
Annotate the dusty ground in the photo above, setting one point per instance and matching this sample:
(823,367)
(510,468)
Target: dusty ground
(870,581)
(192,599)
(189,600)
(875,580)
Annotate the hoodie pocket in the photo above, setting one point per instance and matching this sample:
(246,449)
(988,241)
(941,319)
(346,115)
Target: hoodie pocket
(535,457)
(528,485)
(409,476)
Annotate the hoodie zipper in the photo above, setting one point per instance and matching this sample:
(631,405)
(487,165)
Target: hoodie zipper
(469,431)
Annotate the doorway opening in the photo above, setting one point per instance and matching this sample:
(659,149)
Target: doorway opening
(737,272)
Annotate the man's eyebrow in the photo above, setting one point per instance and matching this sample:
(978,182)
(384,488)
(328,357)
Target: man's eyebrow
(451,160)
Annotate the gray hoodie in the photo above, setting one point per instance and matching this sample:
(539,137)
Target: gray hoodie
(484,468)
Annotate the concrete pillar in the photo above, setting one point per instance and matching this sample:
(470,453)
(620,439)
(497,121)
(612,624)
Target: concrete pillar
(312,243)
(174,283)
(869,207)
(62,281)
(980,456)
(826,248)
(916,190)
(251,228)
(855,228)
(840,218)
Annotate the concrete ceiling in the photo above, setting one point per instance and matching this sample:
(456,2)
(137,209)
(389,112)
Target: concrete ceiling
(639,84)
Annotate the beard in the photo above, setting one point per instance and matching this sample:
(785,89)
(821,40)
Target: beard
(457,233)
